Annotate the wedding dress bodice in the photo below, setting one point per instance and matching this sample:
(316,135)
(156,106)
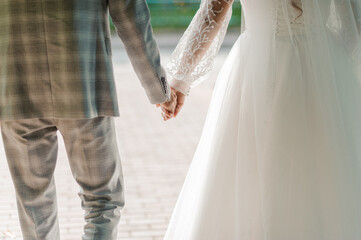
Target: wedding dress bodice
(294,19)
(282,16)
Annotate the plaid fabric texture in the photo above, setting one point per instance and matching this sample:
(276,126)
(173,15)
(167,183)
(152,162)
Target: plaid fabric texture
(31,147)
(55,57)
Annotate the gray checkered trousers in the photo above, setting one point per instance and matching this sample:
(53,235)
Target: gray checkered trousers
(56,74)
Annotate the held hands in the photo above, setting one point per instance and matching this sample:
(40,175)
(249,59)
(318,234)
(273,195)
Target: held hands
(172,108)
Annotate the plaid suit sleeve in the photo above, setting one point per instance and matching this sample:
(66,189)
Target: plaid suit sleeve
(132,21)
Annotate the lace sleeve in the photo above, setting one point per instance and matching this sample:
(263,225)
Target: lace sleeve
(192,60)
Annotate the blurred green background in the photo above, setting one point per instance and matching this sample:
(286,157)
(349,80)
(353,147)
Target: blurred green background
(177,14)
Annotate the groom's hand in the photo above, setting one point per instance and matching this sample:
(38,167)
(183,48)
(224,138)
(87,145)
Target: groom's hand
(168,108)
(174,106)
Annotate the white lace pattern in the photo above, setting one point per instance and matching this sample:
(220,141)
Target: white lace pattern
(193,58)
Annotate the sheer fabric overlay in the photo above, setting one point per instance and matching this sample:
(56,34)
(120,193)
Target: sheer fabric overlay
(192,60)
(280,156)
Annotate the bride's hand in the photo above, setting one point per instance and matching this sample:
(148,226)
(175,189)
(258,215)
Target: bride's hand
(168,108)
(180,102)
(177,103)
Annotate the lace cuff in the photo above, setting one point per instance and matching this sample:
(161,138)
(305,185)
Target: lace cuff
(181,86)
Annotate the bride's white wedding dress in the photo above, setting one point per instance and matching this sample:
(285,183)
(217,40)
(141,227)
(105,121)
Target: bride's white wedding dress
(280,153)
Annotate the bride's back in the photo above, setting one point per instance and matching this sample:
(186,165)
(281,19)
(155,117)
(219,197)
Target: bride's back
(282,15)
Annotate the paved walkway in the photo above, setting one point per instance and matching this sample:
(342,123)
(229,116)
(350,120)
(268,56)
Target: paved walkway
(155,157)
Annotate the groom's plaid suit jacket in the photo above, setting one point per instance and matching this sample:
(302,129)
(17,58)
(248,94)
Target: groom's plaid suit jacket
(55,57)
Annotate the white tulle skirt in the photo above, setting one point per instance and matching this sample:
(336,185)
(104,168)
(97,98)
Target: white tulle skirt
(280,155)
